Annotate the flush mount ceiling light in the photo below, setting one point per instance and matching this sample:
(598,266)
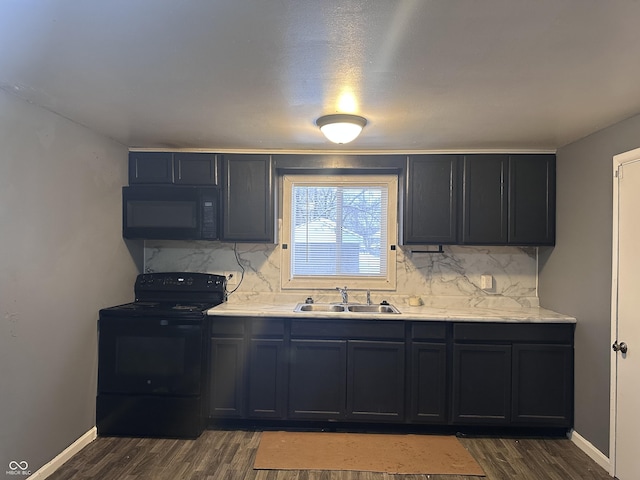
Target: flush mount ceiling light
(341,127)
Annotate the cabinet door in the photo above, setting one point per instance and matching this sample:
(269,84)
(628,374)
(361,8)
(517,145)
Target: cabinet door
(428,382)
(484,198)
(481,384)
(150,167)
(431,191)
(267,394)
(195,169)
(542,385)
(247,199)
(532,199)
(375,380)
(227,378)
(317,379)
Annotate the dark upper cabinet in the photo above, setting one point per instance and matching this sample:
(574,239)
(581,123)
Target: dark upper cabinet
(508,200)
(430,206)
(532,199)
(150,167)
(173,168)
(247,199)
(195,169)
(484,199)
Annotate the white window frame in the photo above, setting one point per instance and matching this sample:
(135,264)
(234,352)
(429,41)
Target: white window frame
(331,282)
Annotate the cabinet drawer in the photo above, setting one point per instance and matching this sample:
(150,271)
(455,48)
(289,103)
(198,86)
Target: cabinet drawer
(233,326)
(267,327)
(514,332)
(429,331)
(348,329)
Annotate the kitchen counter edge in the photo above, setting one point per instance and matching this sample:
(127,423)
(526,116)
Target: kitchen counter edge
(423,313)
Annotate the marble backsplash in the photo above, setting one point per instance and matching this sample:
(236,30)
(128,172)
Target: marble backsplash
(451,278)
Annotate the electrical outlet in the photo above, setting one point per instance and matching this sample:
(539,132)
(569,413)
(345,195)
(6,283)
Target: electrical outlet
(232,277)
(486,282)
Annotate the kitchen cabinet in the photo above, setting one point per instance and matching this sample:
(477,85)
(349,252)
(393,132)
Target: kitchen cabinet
(429,371)
(375,380)
(486,374)
(267,371)
(481,384)
(347,370)
(512,374)
(431,200)
(227,367)
(508,200)
(179,168)
(317,382)
(484,199)
(532,199)
(247,199)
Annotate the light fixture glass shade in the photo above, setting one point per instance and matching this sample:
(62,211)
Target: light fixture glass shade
(341,128)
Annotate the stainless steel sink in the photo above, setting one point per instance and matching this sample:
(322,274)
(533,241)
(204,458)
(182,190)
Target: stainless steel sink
(340,308)
(318,307)
(372,309)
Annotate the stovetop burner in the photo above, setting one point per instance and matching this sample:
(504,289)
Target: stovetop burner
(172,294)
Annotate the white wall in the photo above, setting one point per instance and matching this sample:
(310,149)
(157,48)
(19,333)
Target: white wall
(62,258)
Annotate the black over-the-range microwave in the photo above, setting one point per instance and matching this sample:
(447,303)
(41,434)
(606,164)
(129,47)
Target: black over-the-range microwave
(170,212)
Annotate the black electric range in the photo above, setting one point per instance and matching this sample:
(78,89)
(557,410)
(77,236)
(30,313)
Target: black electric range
(152,357)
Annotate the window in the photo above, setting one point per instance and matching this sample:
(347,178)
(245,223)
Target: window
(339,230)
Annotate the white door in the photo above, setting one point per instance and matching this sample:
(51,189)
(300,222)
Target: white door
(626,318)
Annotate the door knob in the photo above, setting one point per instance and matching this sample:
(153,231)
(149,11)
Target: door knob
(619,347)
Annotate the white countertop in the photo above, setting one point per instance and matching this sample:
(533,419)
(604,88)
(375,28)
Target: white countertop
(425,313)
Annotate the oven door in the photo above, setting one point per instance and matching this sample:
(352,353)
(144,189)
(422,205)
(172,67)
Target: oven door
(153,356)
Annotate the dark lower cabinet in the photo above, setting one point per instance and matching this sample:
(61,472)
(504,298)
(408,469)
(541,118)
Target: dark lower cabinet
(267,377)
(268,369)
(428,382)
(542,384)
(481,389)
(317,379)
(227,393)
(375,380)
(485,374)
(513,374)
(428,372)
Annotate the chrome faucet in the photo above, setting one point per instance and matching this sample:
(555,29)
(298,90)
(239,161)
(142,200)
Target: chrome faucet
(345,295)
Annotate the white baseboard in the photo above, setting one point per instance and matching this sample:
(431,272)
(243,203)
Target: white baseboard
(68,452)
(588,448)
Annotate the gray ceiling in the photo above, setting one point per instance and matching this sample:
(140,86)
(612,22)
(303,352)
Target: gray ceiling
(255,74)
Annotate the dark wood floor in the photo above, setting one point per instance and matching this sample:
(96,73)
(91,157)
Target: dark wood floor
(229,455)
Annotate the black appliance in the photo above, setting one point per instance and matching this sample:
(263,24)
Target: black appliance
(170,212)
(152,357)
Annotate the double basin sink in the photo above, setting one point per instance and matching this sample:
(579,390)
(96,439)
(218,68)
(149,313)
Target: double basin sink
(345,308)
